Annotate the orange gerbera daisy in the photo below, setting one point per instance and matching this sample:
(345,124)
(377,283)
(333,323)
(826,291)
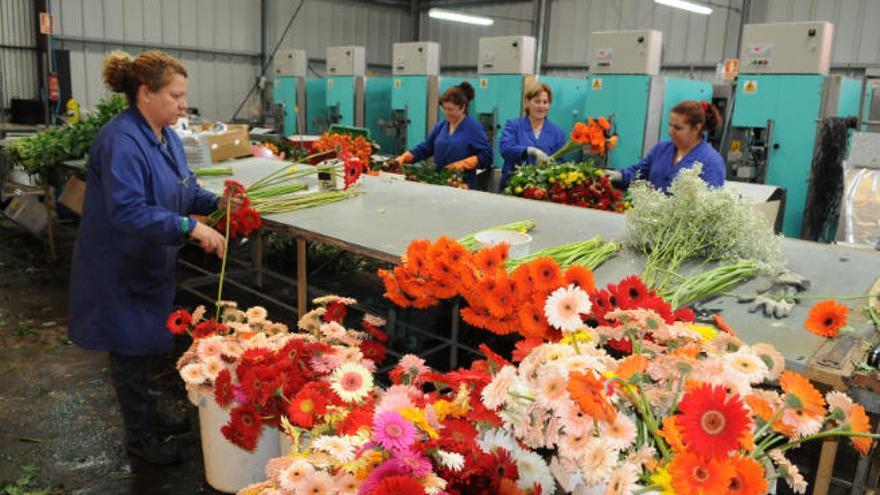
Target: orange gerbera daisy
(580,276)
(859,423)
(693,474)
(499,300)
(826,318)
(491,259)
(522,277)
(801,394)
(392,289)
(588,391)
(545,274)
(631,365)
(603,123)
(749,478)
(476,317)
(672,434)
(765,412)
(534,323)
(712,422)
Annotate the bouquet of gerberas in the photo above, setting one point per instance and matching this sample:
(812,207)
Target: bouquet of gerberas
(259,369)
(597,134)
(688,411)
(359,147)
(426,173)
(576,184)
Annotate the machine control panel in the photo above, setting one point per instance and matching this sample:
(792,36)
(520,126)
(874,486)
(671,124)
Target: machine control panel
(421,58)
(507,55)
(625,52)
(346,61)
(786,48)
(290,63)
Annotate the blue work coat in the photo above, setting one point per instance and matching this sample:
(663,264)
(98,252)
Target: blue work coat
(125,258)
(659,170)
(517,138)
(468,139)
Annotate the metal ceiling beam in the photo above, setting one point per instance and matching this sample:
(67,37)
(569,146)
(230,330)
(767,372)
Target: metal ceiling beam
(466,3)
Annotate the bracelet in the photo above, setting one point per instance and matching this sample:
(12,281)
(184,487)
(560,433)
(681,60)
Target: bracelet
(184,225)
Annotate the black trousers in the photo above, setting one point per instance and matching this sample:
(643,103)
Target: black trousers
(138,407)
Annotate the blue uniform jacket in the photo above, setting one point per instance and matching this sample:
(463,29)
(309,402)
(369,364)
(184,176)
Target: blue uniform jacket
(125,258)
(468,139)
(658,169)
(518,136)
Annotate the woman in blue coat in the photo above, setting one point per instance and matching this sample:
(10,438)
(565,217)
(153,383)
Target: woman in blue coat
(136,214)
(457,143)
(532,138)
(686,147)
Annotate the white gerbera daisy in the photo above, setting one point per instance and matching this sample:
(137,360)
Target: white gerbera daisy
(374,320)
(564,307)
(212,367)
(256,314)
(193,374)
(294,474)
(338,447)
(624,481)
(332,330)
(351,381)
(620,433)
(747,365)
(496,438)
(450,460)
(597,461)
(433,484)
(347,301)
(532,469)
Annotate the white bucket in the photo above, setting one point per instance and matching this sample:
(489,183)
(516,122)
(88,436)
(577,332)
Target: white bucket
(229,468)
(519,242)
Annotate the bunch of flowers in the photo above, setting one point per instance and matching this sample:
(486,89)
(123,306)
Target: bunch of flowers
(357,146)
(269,376)
(426,173)
(688,411)
(597,133)
(576,184)
(267,149)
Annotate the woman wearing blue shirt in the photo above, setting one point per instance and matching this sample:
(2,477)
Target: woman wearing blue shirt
(686,147)
(136,214)
(532,138)
(457,143)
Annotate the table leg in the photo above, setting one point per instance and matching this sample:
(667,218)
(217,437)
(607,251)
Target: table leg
(302,292)
(50,228)
(826,467)
(453,337)
(258,260)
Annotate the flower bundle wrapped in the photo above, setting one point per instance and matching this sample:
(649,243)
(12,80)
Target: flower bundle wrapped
(267,375)
(426,173)
(576,184)
(695,222)
(590,253)
(595,133)
(470,242)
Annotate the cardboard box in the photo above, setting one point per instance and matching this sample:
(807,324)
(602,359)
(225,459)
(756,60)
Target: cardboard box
(73,195)
(235,142)
(28,212)
(768,200)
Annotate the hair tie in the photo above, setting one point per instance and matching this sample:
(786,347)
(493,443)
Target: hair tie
(704,106)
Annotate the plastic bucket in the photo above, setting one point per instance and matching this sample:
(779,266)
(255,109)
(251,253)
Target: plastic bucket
(519,242)
(229,468)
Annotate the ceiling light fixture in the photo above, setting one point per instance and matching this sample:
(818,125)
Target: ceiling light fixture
(685,5)
(447,15)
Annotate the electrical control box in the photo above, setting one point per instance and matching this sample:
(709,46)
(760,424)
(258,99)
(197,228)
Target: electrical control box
(626,52)
(290,63)
(421,58)
(346,61)
(507,55)
(786,48)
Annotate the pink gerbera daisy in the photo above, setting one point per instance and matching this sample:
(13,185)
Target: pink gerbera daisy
(392,431)
(413,462)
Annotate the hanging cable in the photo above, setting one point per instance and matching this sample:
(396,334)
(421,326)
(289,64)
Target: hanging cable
(269,59)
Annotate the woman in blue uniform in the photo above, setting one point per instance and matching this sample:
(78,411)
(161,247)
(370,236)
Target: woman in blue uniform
(686,147)
(457,143)
(136,214)
(532,138)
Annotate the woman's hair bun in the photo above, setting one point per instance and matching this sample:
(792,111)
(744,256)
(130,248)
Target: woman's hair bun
(116,65)
(468,90)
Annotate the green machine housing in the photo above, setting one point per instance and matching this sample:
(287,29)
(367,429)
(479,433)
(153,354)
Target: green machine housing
(289,91)
(345,85)
(782,92)
(569,100)
(415,90)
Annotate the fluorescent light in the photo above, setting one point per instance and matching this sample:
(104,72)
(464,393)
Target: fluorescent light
(684,5)
(447,15)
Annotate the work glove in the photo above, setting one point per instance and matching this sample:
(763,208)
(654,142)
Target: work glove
(779,297)
(538,154)
(468,163)
(615,176)
(405,158)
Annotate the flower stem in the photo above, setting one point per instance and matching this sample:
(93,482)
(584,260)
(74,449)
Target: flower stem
(223,264)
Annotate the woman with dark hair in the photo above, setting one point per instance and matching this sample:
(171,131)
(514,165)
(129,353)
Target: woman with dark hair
(136,215)
(531,138)
(686,147)
(457,143)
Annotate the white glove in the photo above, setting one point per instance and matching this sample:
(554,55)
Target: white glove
(539,155)
(614,175)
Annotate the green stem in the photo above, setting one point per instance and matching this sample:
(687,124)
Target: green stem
(827,434)
(223,264)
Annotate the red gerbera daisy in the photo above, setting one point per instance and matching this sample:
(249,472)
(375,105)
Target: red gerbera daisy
(336,311)
(397,485)
(305,406)
(373,351)
(208,328)
(630,292)
(178,322)
(712,422)
(240,436)
(232,187)
(693,474)
(248,220)
(223,392)
(826,318)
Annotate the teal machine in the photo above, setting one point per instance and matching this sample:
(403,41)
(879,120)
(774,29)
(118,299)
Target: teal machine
(289,91)
(783,90)
(345,85)
(317,111)
(624,82)
(377,112)
(569,100)
(415,90)
(505,66)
